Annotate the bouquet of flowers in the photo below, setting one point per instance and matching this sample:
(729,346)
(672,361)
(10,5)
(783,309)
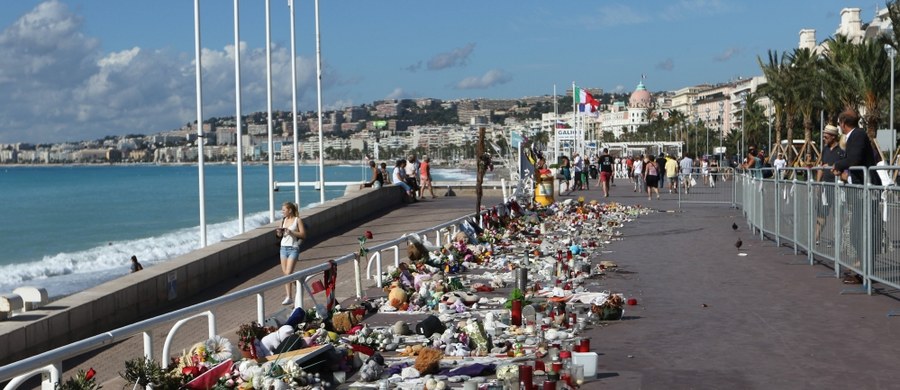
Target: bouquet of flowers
(249,333)
(82,380)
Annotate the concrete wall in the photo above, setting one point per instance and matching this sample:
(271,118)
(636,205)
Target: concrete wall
(144,294)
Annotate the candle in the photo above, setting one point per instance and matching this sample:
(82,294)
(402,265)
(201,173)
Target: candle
(516,313)
(539,365)
(525,377)
(585,345)
(549,385)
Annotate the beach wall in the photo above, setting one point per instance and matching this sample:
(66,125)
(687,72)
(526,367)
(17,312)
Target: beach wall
(172,284)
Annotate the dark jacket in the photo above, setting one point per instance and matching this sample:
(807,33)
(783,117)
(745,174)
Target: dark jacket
(859,152)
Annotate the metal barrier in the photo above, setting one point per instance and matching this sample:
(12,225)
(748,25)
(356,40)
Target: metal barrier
(49,364)
(849,226)
(700,187)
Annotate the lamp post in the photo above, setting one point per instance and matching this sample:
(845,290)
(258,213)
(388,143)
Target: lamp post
(891,53)
(706,128)
(743,142)
(769,118)
(721,119)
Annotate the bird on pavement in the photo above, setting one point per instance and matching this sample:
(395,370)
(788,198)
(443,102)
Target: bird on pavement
(733,226)
(738,244)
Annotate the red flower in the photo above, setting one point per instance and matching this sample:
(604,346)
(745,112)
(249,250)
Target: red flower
(89,374)
(190,370)
(368,235)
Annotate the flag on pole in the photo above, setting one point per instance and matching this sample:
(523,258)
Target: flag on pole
(584,101)
(562,125)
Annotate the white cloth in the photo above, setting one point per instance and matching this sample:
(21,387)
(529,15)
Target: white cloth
(779,163)
(578,163)
(272,340)
(638,167)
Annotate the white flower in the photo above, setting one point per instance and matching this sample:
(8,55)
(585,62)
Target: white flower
(220,349)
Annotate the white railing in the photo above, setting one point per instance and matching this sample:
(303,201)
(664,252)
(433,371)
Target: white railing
(49,364)
(846,226)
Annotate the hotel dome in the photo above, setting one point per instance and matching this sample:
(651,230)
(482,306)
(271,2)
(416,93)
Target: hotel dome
(640,98)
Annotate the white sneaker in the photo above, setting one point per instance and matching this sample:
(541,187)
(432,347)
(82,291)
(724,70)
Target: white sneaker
(287,301)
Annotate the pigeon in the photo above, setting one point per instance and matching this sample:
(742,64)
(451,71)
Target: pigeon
(738,244)
(733,226)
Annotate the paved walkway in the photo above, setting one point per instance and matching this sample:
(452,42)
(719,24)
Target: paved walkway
(706,319)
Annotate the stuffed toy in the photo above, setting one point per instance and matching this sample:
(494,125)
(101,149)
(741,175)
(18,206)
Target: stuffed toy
(396,296)
(428,361)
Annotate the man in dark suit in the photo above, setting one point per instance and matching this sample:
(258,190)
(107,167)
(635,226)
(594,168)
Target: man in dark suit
(859,152)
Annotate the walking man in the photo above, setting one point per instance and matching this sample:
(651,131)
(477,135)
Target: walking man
(606,171)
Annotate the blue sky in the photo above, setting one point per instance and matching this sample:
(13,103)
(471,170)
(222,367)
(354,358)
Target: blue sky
(82,69)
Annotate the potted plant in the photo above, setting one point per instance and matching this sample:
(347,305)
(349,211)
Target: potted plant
(247,334)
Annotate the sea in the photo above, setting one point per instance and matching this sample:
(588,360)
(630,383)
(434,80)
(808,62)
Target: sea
(70,228)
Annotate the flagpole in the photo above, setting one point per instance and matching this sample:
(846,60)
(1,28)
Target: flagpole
(319,98)
(200,137)
(555,124)
(269,127)
(575,112)
(294,106)
(237,115)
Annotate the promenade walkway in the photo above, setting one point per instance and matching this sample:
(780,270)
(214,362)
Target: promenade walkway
(706,317)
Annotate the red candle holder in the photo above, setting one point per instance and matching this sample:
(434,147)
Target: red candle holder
(549,385)
(539,365)
(526,376)
(585,345)
(516,313)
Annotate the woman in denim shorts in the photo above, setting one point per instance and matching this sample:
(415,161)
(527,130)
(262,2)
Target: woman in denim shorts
(292,233)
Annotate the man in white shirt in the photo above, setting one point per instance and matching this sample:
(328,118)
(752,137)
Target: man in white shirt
(687,166)
(578,168)
(779,164)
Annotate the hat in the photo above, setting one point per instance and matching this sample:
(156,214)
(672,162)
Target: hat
(831,129)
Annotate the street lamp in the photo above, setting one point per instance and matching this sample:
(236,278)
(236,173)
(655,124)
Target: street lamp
(769,118)
(721,126)
(891,54)
(743,143)
(706,128)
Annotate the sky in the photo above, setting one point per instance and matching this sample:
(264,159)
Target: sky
(76,70)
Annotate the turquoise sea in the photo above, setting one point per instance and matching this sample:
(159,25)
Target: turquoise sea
(69,228)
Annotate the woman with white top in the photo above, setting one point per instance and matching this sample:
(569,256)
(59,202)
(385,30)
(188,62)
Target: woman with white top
(638,174)
(398,177)
(292,233)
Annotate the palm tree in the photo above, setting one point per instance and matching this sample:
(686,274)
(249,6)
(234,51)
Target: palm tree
(806,73)
(775,87)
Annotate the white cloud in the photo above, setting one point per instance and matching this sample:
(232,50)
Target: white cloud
(59,86)
(667,64)
(491,78)
(398,93)
(727,54)
(453,58)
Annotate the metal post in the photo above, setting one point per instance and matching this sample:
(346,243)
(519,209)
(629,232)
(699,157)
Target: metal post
(200,174)
(237,116)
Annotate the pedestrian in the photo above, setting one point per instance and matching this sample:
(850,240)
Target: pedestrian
(780,163)
(687,168)
(651,177)
(135,265)
(672,173)
(565,175)
(425,176)
(377,179)
(292,233)
(578,168)
(398,178)
(831,153)
(412,176)
(637,169)
(859,152)
(661,167)
(606,171)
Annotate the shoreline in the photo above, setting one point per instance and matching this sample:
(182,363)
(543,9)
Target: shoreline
(253,163)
